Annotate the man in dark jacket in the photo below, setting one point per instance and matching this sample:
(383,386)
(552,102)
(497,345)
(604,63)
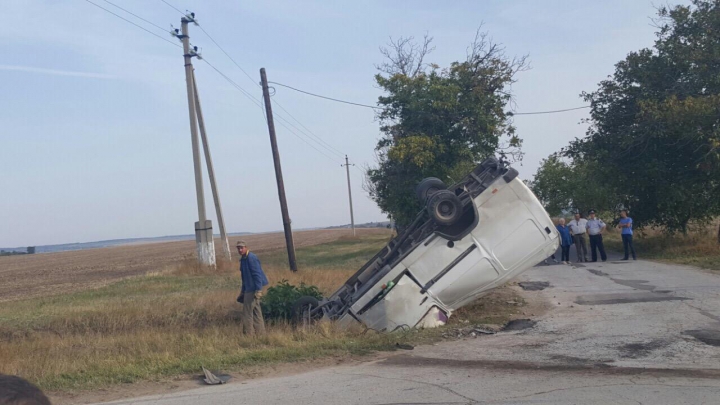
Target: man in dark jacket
(253,281)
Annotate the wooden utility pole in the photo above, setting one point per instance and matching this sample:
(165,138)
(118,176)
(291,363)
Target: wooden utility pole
(352,218)
(203,227)
(278,173)
(211,174)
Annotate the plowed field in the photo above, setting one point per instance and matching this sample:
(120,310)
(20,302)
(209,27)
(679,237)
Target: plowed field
(29,276)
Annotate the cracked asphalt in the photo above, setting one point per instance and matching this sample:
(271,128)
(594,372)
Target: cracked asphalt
(619,332)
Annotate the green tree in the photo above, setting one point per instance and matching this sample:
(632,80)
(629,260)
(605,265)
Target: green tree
(438,122)
(563,186)
(654,137)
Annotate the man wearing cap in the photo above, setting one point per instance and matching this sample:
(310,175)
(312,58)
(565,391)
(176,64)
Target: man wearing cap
(595,227)
(253,281)
(578,228)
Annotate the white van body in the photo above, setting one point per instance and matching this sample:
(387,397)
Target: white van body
(439,275)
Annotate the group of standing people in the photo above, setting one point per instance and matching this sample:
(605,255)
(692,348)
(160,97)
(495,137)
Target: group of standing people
(576,231)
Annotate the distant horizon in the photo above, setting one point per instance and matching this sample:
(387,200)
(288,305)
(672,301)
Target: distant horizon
(184,236)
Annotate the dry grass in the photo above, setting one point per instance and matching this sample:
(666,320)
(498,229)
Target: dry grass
(92,360)
(174,320)
(166,323)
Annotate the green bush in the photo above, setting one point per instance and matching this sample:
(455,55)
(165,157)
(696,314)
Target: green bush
(278,301)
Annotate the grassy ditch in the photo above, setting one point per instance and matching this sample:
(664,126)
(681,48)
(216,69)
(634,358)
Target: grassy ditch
(699,247)
(171,322)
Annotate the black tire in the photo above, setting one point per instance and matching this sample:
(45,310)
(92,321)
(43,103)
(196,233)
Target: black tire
(491,163)
(427,187)
(510,175)
(302,309)
(445,208)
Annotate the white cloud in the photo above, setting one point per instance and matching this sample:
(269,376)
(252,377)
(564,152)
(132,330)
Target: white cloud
(55,72)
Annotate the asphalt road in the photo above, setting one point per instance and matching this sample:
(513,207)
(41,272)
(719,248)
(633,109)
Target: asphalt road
(618,333)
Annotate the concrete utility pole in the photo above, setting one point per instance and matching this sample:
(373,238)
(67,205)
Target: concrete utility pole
(203,228)
(278,173)
(211,174)
(352,218)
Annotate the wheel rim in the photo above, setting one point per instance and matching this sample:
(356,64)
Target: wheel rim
(306,314)
(445,209)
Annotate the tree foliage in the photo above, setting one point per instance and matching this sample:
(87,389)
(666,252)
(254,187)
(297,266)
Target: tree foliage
(563,187)
(654,135)
(438,122)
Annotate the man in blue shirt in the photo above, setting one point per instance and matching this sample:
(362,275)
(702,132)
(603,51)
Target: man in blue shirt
(627,234)
(253,281)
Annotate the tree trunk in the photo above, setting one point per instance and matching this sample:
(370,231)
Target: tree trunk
(718,233)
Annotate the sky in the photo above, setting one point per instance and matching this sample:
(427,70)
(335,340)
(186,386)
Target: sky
(95,141)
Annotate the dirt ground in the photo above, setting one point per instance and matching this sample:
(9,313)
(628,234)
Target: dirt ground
(28,276)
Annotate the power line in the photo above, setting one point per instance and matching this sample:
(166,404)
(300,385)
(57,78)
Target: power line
(379,108)
(361,171)
(309,133)
(257,102)
(214,42)
(237,86)
(226,54)
(551,112)
(312,134)
(304,140)
(326,98)
(139,26)
(173,7)
(137,16)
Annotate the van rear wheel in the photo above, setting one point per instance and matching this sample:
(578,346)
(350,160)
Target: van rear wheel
(445,208)
(427,187)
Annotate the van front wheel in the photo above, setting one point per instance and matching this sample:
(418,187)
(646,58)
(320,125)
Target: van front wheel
(304,310)
(445,208)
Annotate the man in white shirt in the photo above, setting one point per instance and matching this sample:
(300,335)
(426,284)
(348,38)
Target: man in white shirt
(578,228)
(595,227)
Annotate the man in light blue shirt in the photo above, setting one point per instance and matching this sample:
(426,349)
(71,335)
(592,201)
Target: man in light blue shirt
(626,224)
(595,227)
